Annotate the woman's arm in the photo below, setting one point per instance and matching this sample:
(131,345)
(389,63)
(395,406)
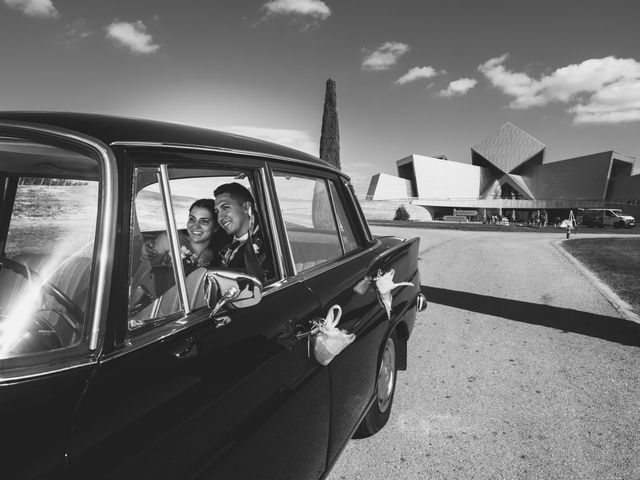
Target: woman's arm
(154,250)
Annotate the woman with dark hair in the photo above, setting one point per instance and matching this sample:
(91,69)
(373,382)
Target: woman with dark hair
(199,242)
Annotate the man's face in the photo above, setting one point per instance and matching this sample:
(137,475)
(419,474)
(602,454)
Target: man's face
(232,215)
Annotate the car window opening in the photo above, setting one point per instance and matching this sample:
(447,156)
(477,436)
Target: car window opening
(213,231)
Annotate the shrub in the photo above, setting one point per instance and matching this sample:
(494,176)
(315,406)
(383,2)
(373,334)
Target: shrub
(401,213)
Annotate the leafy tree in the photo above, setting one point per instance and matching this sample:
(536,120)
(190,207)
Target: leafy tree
(401,213)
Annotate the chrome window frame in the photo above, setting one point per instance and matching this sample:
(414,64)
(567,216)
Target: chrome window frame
(334,211)
(307,173)
(179,321)
(104,243)
(174,243)
(266,187)
(364,226)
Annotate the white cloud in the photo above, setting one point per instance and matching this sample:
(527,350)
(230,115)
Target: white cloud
(458,87)
(298,139)
(132,35)
(307,8)
(615,103)
(76,31)
(598,90)
(34,8)
(385,56)
(416,73)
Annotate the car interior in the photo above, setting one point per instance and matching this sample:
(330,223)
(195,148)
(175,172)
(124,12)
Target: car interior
(153,291)
(44,277)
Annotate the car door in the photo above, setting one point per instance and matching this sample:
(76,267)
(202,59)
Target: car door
(332,254)
(53,222)
(188,396)
(607,218)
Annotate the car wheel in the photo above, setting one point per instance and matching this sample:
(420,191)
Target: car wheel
(380,410)
(617,225)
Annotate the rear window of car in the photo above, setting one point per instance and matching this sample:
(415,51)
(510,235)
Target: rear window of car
(315,219)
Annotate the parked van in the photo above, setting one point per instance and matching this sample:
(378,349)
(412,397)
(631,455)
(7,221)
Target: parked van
(612,217)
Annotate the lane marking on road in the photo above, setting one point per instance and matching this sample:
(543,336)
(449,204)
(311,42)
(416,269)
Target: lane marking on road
(622,307)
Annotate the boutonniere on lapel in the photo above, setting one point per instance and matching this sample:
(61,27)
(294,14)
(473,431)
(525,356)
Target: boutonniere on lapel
(188,256)
(384,285)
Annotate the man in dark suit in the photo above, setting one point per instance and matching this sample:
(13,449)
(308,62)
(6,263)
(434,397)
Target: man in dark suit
(235,210)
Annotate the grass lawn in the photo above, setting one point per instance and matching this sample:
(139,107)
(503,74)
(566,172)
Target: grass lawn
(615,260)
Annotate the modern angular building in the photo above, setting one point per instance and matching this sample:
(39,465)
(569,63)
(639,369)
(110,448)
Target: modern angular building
(508,172)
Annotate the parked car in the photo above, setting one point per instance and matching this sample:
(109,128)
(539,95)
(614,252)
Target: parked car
(212,374)
(603,217)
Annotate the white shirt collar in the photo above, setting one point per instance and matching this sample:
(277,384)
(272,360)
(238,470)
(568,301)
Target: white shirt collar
(243,238)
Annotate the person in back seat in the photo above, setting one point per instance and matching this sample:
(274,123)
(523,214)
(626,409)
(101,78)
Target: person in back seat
(235,210)
(199,242)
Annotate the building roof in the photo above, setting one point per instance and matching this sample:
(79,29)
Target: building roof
(508,147)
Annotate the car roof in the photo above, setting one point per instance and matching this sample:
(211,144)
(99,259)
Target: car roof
(110,129)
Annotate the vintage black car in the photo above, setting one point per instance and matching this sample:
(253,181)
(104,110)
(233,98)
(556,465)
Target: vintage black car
(111,368)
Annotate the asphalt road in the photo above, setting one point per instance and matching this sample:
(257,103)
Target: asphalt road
(519,369)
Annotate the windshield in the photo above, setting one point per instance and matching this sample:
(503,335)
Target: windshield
(50,199)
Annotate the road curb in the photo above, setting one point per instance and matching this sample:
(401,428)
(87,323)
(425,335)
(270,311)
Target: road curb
(622,307)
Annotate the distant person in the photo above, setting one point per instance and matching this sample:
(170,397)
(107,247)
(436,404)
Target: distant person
(235,210)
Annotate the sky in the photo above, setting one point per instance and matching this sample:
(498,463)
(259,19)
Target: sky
(413,77)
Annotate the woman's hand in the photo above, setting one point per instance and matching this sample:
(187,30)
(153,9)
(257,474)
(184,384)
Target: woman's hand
(148,253)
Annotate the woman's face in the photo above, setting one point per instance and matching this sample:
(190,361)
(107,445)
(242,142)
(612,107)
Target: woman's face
(200,225)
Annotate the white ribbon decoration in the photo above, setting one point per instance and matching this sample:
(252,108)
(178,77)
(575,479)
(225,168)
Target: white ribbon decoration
(384,284)
(329,340)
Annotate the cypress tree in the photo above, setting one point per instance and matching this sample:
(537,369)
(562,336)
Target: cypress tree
(329,152)
(330,135)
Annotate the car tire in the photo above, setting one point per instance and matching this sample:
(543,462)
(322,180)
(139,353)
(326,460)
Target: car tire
(380,410)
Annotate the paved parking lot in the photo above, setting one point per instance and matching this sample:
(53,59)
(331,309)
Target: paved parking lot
(519,368)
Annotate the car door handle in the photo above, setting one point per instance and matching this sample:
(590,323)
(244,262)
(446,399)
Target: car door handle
(186,349)
(313,329)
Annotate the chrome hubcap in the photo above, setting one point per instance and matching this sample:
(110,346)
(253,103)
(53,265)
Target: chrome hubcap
(386,376)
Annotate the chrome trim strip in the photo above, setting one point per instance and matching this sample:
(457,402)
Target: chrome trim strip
(336,221)
(230,151)
(105,246)
(272,223)
(45,370)
(174,244)
(286,233)
(106,231)
(359,213)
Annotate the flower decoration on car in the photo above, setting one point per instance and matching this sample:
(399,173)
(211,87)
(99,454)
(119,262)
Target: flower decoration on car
(384,285)
(326,338)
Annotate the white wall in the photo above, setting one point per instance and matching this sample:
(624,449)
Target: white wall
(437,178)
(388,187)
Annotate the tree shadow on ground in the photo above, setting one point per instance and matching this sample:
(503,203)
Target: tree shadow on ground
(612,329)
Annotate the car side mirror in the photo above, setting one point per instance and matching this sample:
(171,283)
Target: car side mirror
(234,289)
